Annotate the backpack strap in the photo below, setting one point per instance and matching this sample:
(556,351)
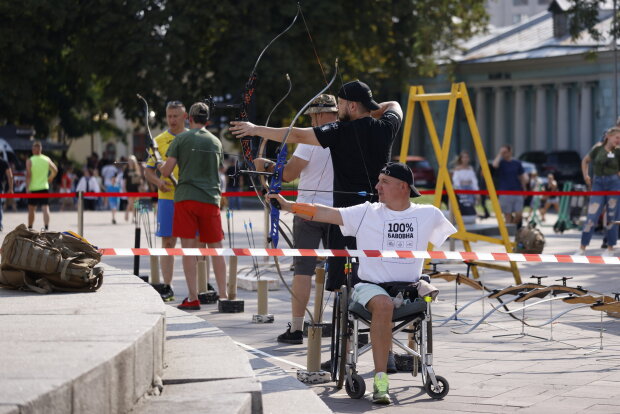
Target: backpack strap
(39,286)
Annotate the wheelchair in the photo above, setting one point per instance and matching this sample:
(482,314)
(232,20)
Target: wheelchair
(352,319)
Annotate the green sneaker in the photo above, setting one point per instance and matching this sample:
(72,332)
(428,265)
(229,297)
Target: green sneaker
(380,389)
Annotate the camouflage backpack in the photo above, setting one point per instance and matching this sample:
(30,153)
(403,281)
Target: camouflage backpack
(529,239)
(48,261)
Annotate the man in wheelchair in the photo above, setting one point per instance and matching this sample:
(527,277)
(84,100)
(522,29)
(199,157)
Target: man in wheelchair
(394,223)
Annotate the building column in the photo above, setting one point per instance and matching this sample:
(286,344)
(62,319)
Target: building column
(520,143)
(562,118)
(585,119)
(481,119)
(499,137)
(540,120)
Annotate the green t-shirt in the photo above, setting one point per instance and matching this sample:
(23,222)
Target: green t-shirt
(603,162)
(199,155)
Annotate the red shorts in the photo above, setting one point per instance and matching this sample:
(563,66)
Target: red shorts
(194,216)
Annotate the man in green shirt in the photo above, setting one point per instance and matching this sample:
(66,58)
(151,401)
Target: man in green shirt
(198,154)
(40,171)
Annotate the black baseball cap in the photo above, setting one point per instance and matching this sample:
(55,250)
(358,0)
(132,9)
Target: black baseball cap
(358,91)
(402,172)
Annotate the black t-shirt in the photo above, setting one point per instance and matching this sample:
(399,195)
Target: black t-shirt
(359,150)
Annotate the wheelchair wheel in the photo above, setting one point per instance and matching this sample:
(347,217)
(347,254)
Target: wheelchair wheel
(343,337)
(358,389)
(438,392)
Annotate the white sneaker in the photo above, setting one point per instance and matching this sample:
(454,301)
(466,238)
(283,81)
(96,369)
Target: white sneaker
(580,252)
(608,253)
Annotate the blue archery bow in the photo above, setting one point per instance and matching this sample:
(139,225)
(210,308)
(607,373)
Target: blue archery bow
(275,185)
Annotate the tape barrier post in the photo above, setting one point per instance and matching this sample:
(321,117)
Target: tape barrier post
(263,315)
(232,304)
(313,374)
(80,213)
(154,262)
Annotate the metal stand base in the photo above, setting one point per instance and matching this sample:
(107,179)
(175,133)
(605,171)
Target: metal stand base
(320,377)
(262,318)
(230,306)
(207,298)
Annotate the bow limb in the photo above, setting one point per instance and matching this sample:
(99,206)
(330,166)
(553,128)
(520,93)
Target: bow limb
(248,93)
(262,149)
(276,180)
(153,148)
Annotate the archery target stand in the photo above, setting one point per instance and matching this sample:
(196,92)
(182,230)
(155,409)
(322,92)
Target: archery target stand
(263,315)
(457,93)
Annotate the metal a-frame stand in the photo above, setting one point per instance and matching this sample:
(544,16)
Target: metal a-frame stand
(458,92)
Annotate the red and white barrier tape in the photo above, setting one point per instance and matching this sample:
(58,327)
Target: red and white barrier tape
(294,193)
(407,254)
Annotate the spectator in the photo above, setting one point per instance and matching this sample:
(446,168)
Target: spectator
(233,184)
(464,178)
(132,179)
(40,172)
(550,201)
(89,184)
(113,187)
(6,176)
(510,177)
(605,160)
(108,173)
(67,181)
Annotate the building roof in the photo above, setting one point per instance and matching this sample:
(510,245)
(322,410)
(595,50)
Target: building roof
(535,38)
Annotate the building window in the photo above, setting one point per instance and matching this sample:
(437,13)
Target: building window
(519,2)
(518,18)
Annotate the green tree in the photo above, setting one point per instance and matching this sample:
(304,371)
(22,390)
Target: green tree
(66,60)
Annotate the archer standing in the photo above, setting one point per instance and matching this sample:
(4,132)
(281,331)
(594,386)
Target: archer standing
(360,143)
(40,171)
(175,118)
(197,197)
(312,165)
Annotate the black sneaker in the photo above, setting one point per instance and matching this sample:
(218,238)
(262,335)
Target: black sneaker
(289,337)
(391,364)
(167,294)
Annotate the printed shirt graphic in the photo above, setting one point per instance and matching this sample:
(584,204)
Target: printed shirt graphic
(378,228)
(163,142)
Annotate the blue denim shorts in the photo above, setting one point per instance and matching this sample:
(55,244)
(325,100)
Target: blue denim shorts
(363,292)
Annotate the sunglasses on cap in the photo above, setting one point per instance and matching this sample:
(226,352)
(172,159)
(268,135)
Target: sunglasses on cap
(174,104)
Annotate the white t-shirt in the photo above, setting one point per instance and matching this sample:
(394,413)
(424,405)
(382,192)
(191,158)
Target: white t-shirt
(465,179)
(378,228)
(318,174)
(108,172)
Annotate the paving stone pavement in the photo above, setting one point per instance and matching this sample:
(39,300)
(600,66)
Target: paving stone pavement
(487,373)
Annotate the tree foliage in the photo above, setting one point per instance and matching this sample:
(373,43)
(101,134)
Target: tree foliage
(66,60)
(585,15)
